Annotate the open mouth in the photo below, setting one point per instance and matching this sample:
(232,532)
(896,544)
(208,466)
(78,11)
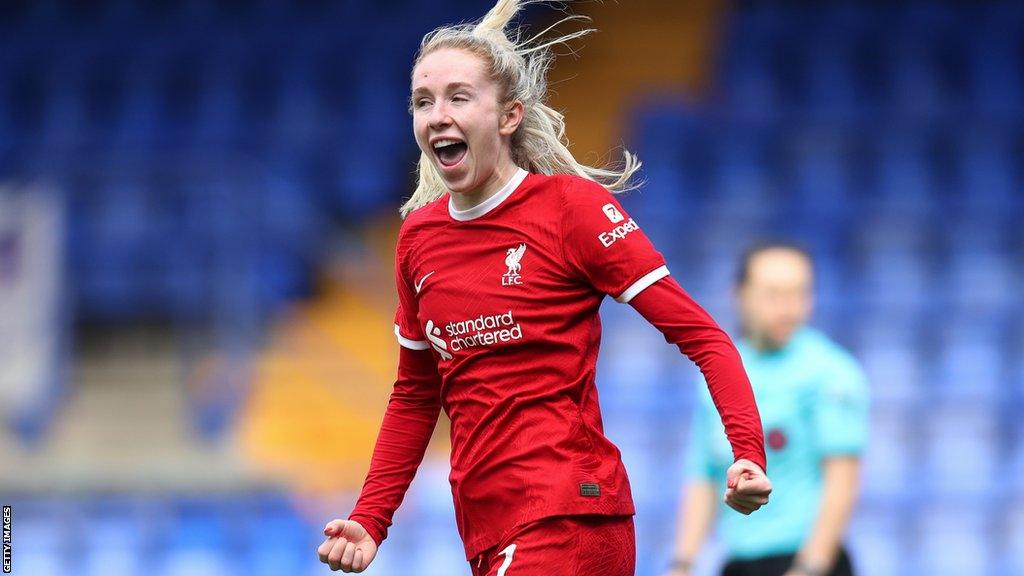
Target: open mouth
(450,151)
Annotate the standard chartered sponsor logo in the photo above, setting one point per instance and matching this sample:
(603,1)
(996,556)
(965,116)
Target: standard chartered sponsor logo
(434,335)
(484,330)
(617,233)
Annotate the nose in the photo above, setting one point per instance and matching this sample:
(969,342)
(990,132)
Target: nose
(439,117)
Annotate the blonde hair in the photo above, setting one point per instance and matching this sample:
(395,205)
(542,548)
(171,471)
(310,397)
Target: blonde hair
(520,68)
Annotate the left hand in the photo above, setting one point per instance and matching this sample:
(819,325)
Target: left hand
(747,486)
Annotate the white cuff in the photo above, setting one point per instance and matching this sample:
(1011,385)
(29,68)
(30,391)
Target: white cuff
(641,284)
(411,344)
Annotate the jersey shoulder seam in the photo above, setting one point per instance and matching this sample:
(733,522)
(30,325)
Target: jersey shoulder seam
(563,185)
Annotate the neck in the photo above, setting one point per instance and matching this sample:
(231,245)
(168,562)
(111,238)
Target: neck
(501,175)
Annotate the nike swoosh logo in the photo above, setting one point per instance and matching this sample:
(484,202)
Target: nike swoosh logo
(422,280)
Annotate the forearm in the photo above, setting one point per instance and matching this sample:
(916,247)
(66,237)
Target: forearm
(683,322)
(696,515)
(405,431)
(839,494)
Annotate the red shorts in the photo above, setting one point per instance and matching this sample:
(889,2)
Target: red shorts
(584,545)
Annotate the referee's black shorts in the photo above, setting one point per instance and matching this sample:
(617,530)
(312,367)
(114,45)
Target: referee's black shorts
(778,565)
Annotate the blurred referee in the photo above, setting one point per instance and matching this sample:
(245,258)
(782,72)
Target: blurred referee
(813,399)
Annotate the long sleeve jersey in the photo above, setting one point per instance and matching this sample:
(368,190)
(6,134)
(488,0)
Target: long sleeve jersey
(498,321)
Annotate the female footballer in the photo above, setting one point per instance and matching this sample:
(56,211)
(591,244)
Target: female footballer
(507,248)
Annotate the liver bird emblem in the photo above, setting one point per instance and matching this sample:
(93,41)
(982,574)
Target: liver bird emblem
(512,258)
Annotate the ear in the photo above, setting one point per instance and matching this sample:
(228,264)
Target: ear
(511,118)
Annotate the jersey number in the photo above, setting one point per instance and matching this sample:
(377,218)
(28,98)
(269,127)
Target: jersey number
(508,552)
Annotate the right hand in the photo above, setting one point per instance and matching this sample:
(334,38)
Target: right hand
(348,546)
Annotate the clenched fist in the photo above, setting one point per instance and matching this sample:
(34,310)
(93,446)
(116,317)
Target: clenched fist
(348,546)
(747,486)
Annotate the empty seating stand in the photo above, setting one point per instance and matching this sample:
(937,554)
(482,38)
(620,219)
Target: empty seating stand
(887,139)
(879,138)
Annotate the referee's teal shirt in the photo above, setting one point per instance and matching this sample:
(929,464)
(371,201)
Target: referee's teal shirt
(813,400)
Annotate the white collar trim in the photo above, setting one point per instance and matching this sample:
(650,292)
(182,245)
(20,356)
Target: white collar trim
(492,202)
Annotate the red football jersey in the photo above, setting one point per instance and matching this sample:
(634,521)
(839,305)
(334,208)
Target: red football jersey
(505,295)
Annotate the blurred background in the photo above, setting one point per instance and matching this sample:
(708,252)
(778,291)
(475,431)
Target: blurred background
(198,208)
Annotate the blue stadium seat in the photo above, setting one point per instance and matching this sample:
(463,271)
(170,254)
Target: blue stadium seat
(955,540)
(195,562)
(987,167)
(903,175)
(820,179)
(996,82)
(894,280)
(832,84)
(889,455)
(878,540)
(1010,539)
(961,452)
(896,374)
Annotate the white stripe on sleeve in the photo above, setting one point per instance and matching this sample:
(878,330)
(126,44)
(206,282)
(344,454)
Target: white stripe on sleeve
(642,284)
(411,344)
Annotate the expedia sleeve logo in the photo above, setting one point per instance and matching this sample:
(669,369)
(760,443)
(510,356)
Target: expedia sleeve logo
(617,233)
(612,213)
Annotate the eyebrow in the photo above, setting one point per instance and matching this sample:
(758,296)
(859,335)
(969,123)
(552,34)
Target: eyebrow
(450,87)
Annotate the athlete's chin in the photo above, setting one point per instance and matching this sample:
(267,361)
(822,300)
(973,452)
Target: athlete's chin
(458,179)
(781,337)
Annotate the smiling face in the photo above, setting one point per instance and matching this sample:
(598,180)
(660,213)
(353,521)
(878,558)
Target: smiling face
(461,126)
